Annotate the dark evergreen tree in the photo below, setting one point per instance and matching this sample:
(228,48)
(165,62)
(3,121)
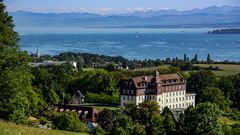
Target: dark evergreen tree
(209,60)
(105,120)
(198,81)
(195,59)
(185,57)
(203,120)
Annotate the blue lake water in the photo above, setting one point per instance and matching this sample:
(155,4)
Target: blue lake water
(133,43)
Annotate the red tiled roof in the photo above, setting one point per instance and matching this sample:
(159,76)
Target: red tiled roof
(158,79)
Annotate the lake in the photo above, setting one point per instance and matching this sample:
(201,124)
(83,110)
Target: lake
(133,43)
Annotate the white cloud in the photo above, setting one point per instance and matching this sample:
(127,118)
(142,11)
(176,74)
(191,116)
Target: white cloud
(138,9)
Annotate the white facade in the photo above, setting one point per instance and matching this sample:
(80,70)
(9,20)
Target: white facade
(173,100)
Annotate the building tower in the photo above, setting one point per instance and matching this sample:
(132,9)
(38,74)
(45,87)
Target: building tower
(38,54)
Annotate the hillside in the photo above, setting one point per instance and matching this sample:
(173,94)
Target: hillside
(8,128)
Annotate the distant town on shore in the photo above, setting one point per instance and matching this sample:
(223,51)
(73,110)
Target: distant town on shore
(225,31)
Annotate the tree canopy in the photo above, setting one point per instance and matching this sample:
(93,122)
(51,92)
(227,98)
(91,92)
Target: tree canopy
(17,98)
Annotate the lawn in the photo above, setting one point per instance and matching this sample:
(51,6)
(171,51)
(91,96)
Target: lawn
(9,128)
(227,121)
(100,107)
(228,69)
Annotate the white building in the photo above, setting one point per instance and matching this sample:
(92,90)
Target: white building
(167,90)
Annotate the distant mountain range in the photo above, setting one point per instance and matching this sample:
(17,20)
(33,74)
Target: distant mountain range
(225,16)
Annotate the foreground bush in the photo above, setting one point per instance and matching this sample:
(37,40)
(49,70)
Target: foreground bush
(68,121)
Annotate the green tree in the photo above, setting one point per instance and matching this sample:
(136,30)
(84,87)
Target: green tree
(195,59)
(138,130)
(227,85)
(15,76)
(123,121)
(209,60)
(215,95)
(119,131)
(44,82)
(105,119)
(185,57)
(99,131)
(168,121)
(94,81)
(203,120)
(147,112)
(68,121)
(198,81)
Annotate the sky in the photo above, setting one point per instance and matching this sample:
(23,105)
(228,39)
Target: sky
(111,6)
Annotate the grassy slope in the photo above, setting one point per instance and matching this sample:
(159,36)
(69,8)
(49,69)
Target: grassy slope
(227,121)
(228,69)
(8,128)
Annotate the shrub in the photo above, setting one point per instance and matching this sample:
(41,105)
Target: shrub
(68,121)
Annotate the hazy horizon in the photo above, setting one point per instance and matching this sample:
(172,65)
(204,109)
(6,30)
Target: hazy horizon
(110,6)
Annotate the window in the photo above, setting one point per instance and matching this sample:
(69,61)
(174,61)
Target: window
(170,94)
(176,99)
(182,104)
(173,93)
(186,98)
(179,105)
(123,97)
(177,93)
(132,98)
(127,97)
(173,100)
(124,91)
(139,98)
(131,91)
(179,99)
(170,106)
(166,101)
(187,104)
(159,99)
(180,93)
(127,91)
(179,87)
(170,101)
(176,105)
(182,98)
(173,106)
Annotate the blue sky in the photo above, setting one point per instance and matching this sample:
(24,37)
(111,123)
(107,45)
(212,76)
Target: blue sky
(111,6)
